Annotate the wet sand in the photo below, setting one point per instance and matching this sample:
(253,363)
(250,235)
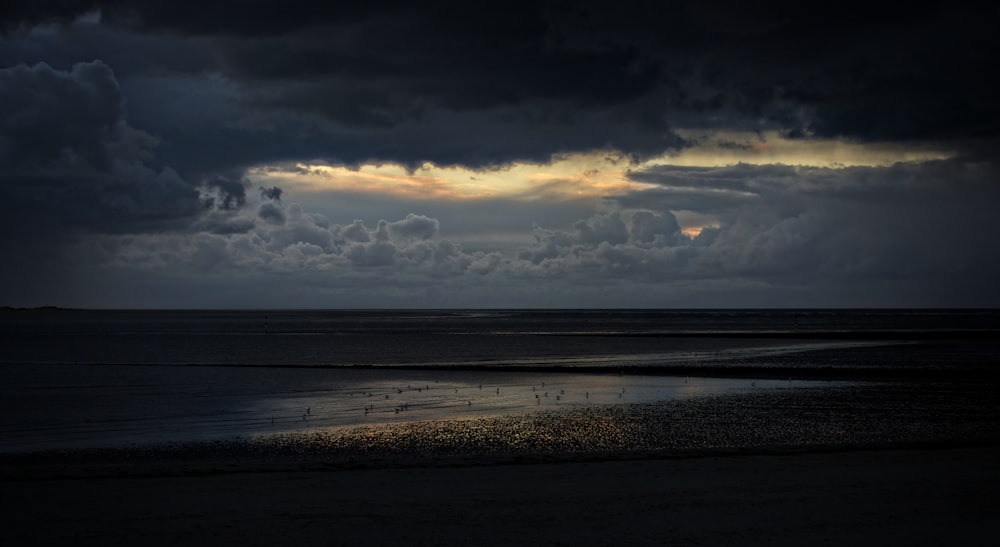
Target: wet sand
(877,463)
(912,497)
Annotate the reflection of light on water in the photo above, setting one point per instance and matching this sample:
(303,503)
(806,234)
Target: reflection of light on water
(191,404)
(464,395)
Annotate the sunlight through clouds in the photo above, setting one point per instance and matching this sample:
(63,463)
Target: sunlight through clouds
(570,176)
(591,174)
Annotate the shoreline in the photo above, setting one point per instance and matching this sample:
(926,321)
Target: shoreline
(869,464)
(863,416)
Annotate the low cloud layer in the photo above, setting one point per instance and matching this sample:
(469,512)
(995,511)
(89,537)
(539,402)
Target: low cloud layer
(816,237)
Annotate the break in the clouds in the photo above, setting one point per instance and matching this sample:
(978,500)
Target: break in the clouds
(518,154)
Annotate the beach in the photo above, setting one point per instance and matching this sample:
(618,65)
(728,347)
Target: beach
(869,464)
(925,496)
(503,428)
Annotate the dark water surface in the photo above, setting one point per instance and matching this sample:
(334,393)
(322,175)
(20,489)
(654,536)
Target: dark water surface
(568,338)
(74,378)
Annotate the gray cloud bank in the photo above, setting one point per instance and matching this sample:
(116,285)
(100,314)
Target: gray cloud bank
(126,129)
(789,237)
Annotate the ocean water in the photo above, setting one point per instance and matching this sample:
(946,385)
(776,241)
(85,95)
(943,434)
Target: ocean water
(77,379)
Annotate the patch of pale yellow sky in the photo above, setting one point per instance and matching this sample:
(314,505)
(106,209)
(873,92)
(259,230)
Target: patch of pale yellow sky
(589,175)
(570,176)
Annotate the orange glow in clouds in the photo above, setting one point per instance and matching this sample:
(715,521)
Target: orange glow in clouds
(569,177)
(588,175)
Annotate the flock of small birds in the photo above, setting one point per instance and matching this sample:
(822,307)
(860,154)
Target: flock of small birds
(839,416)
(402,398)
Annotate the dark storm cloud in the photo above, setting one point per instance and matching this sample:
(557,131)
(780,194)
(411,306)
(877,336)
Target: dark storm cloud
(226,193)
(18,13)
(271,193)
(128,52)
(67,154)
(489,83)
(68,120)
(71,167)
(388,81)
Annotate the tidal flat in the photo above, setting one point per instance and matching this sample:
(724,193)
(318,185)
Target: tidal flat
(863,463)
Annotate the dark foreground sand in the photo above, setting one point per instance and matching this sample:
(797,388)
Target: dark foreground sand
(902,464)
(887,497)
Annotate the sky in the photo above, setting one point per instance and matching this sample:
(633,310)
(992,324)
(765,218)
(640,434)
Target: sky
(595,154)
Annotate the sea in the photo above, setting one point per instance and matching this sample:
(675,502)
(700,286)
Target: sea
(77,379)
